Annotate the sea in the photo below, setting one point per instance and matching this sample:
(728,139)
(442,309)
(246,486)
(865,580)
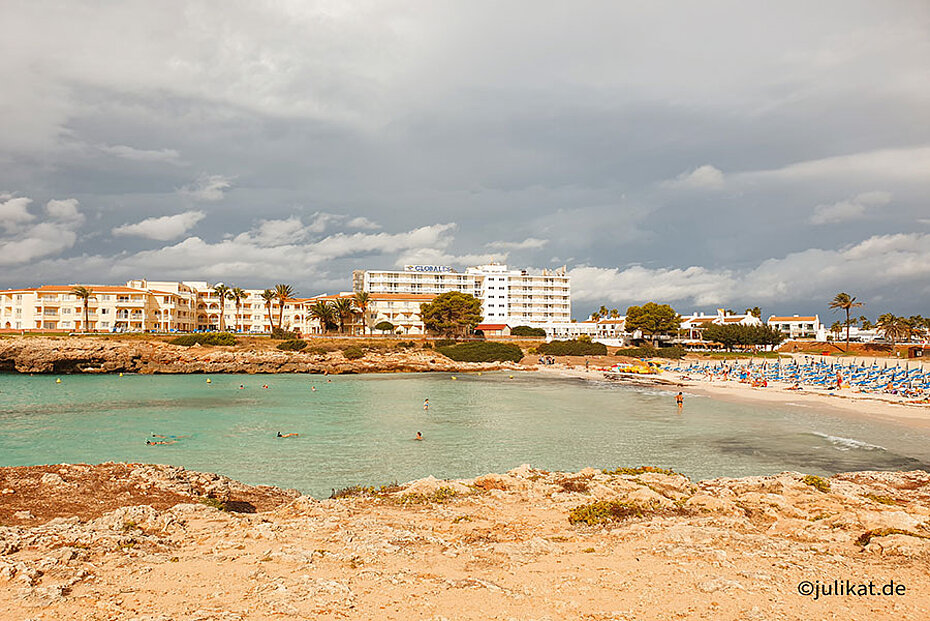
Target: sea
(360,429)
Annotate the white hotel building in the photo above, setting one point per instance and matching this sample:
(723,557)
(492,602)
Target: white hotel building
(513,297)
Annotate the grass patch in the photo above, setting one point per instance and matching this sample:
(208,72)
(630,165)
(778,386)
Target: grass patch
(357,491)
(643,470)
(223,339)
(572,348)
(217,504)
(481,351)
(884,500)
(292,345)
(608,511)
(818,483)
(440,496)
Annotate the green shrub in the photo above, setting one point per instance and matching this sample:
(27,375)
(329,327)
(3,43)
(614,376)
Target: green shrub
(527,331)
(818,483)
(292,345)
(572,348)
(607,511)
(648,351)
(205,338)
(353,353)
(487,351)
(282,334)
(641,470)
(384,326)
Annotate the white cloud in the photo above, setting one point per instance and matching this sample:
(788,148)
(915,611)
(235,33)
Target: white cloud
(703,177)
(526,244)
(14,212)
(170,156)
(849,209)
(638,284)
(163,228)
(27,242)
(906,164)
(362,223)
(207,188)
(876,262)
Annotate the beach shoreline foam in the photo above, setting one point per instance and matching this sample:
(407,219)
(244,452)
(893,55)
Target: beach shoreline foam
(523,544)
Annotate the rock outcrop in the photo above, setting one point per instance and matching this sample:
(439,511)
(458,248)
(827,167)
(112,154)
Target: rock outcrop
(63,355)
(528,544)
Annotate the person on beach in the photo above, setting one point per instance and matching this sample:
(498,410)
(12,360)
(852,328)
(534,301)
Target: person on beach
(288,435)
(426,404)
(680,400)
(419,436)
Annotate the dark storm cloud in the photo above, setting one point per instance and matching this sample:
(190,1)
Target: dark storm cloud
(699,153)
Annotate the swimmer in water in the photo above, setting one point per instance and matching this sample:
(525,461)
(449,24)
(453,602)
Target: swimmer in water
(150,443)
(288,435)
(680,400)
(313,389)
(329,381)
(419,436)
(264,385)
(426,404)
(241,387)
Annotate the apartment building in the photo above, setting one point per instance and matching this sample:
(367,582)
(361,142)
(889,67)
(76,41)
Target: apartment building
(797,327)
(692,326)
(514,297)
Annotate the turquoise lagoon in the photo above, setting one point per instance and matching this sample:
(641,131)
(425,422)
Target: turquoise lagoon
(360,429)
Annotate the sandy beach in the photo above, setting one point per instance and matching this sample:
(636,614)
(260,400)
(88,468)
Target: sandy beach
(847,401)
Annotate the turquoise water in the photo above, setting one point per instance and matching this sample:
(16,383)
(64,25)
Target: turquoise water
(360,429)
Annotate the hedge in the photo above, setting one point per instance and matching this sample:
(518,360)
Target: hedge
(353,353)
(292,345)
(572,348)
(527,331)
(486,351)
(205,338)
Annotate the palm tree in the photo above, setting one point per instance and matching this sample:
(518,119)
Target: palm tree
(362,300)
(891,327)
(865,323)
(323,311)
(596,316)
(237,294)
(614,313)
(846,302)
(84,294)
(283,294)
(268,296)
(344,308)
(222,290)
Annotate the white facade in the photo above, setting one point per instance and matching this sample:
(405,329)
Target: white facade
(514,297)
(799,327)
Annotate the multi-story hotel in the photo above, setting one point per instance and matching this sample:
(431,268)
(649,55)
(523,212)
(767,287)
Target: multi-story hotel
(513,297)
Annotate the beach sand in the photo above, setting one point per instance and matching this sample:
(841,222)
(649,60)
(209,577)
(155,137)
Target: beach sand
(881,407)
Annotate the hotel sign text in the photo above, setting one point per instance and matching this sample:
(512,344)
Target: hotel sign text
(428,268)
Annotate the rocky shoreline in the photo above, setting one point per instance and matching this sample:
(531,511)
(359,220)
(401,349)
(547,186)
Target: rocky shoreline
(143,542)
(66,355)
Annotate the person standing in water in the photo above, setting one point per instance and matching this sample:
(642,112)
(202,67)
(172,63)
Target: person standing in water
(419,436)
(426,404)
(680,400)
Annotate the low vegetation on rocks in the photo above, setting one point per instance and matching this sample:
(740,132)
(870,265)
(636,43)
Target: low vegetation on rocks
(353,352)
(818,483)
(481,351)
(608,511)
(292,345)
(642,470)
(224,339)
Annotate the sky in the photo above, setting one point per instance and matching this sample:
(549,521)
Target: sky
(714,154)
